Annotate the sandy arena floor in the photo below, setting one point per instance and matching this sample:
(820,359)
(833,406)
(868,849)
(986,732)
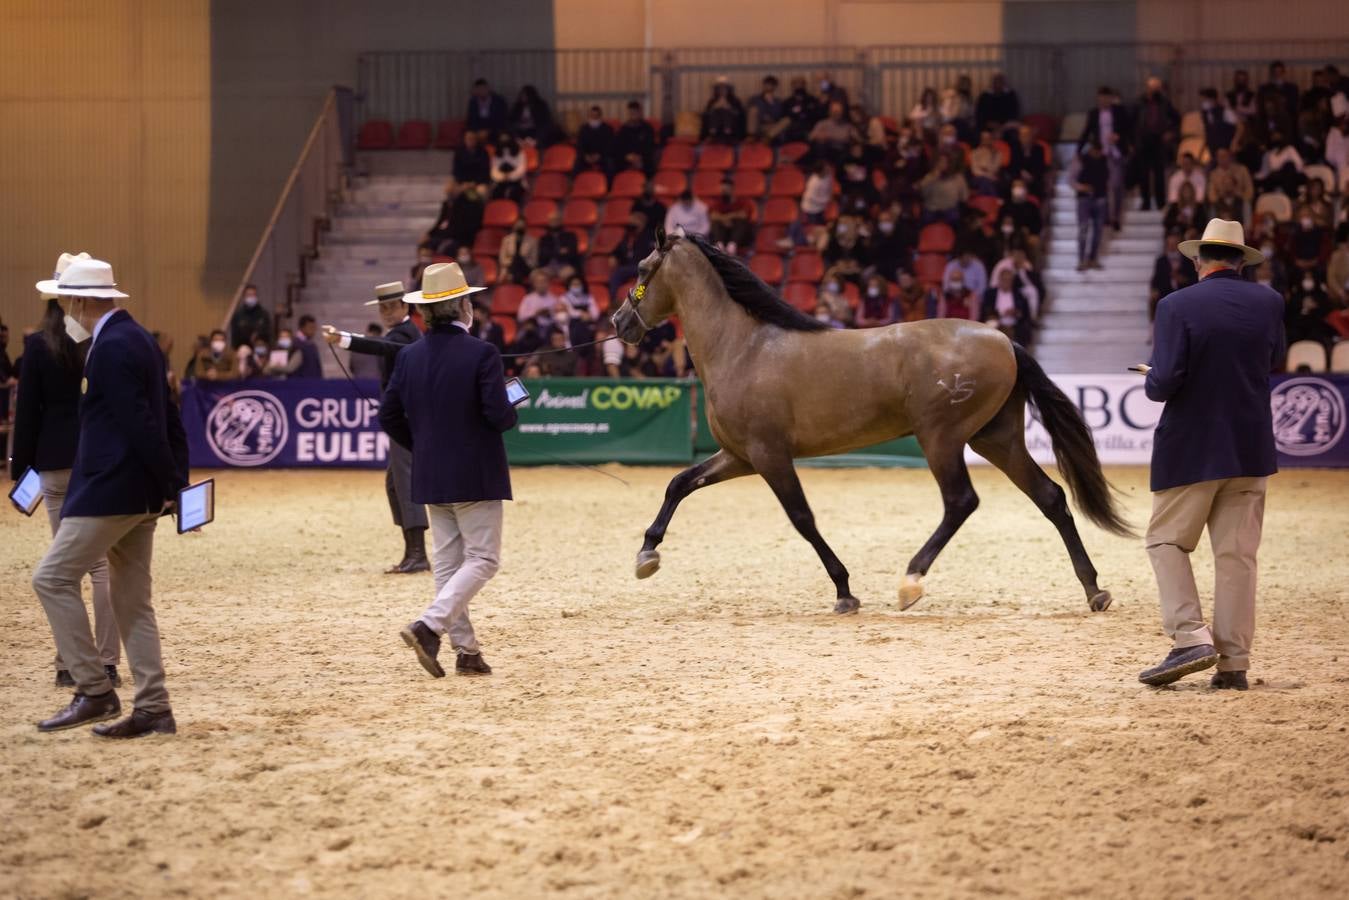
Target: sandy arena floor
(714,731)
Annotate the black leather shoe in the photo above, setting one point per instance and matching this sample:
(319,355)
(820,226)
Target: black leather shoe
(1178,663)
(471,664)
(397,568)
(1229,681)
(416,562)
(426,644)
(115,678)
(139,724)
(83,710)
(64,679)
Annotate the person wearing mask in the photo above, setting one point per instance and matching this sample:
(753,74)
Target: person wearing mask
(985,166)
(1306,312)
(214,361)
(967,270)
(1213,452)
(559,250)
(944,192)
(1280,167)
(730,220)
(487,113)
(530,119)
(46,431)
(887,248)
(911,298)
(998,107)
(830,136)
(1090,177)
(876,308)
(767,113)
(250,320)
(130,462)
(578,312)
(1006,308)
(802,111)
(446,400)
(400,333)
(635,142)
(472,164)
(1155,125)
(818,193)
(539,303)
(519,253)
(689,214)
(509,181)
(595,144)
(824,312)
(1220,122)
(831,297)
(956,301)
(1029,162)
(302,354)
(723,116)
(1308,243)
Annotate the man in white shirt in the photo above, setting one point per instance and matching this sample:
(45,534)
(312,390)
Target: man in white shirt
(690,214)
(539,302)
(1189,171)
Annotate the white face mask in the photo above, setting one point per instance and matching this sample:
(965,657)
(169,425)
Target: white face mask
(260,350)
(217,347)
(1307,224)
(250,300)
(886,227)
(822,316)
(284,343)
(1308,284)
(873,291)
(1008,229)
(76,330)
(832,287)
(1019,193)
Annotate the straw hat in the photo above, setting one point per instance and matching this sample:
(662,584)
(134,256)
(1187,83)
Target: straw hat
(1223,233)
(391,291)
(83,278)
(62,263)
(442,281)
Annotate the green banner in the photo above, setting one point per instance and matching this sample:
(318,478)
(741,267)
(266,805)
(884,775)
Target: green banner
(599,420)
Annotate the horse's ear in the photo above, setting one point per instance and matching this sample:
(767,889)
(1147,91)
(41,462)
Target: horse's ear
(660,236)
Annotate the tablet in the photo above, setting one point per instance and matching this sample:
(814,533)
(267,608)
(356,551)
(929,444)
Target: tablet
(196,505)
(516,392)
(27,492)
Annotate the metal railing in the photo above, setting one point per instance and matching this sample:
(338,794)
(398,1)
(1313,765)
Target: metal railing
(314,186)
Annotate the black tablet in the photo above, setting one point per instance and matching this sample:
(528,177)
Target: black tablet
(516,392)
(27,492)
(196,506)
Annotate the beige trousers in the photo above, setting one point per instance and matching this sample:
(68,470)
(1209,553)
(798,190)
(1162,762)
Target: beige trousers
(1233,509)
(128,544)
(467,554)
(54,484)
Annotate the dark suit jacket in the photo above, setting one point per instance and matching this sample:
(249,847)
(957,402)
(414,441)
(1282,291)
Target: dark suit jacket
(387,347)
(132,453)
(446,402)
(311,366)
(1214,347)
(1119,124)
(495,119)
(47,412)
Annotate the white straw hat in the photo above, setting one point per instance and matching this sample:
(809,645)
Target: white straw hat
(84,278)
(442,281)
(391,291)
(1223,233)
(62,263)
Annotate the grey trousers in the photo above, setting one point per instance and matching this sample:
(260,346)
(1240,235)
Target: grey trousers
(467,554)
(398,486)
(54,484)
(128,543)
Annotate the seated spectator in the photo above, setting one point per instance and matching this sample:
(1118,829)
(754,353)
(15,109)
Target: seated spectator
(1190,172)
(360,365)
(561,361)
(1185,211)
(1306,310)
(528,339)
(846,254)
(986,166)
(987,244)
(723,116)
(471,268)
(662,357)
(832,134)
(998,107)
(302,353)
(1025,214)
(1028,161)
(904,167)
(802,111)
(508,170)
(944,192)
(214,361)
(1018,262)
(1279,88)
(956,300)
(1314,198)
(425,257)
(1006,308)
(730,221)
(283,357)
(856,177)
(876,307)
(486,112)
(250,321)
(636,245)
(1230,182)
(1170,272)
(530,119)
(539,303)
(957,107)
(1308,243)
(581,311)
(688,214)
(832,298)
(767,113)
(484,328)
(608,355)
(635,142)
(472,165)
(1241,99)
(871,132)
(824,312)
(830,90)
(1220,122)
(595,144)
(519,254)
(925,117)
(890,248)
(1337,270)
(912,299)
(559,250)
(1281,167)
(1313,127)
(818,193)
(966,269)
(1337,138)
(651,208)
(459,220)
(949,146)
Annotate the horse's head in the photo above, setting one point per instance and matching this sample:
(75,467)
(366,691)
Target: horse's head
(650,300)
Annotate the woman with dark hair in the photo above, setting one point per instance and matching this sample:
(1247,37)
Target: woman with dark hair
(46,431)
(530,118)
(724,118)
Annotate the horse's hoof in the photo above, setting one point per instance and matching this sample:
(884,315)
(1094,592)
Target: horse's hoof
(847,605)
(648,563)
(1100,602)
(910,591)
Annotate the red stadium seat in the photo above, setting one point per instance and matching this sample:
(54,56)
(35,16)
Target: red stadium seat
(989,206)
(928,268)
(549,186)
(600,291)
(580,214)
(1046,127)
(538,211)
(376,134)
(779,211)
(488,241)
(767,266)
(787,182)
(489,268)
(671,183)
(800,294)
(623,289)
(749,183)
(558,158)
(507,324)
(606,239)
(500,214)
(805,266)
(589,186)
(628,184)
(707,185)
(936,238)
(506,299)
(414,134)
(449,134)
(598,268)
(531,157)
(790,153)
(755,157)
(677,156)
(616,212)
(766,239)
(852,294)
(716,157)
(1004,153)
(582,241)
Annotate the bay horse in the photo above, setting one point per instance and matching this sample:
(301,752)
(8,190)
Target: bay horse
(780,385)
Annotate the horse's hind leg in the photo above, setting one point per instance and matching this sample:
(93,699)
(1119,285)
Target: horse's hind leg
(959,500)
(781,477)
(721,466)
(1003,443)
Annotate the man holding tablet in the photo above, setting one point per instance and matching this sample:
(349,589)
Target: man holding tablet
(130,463)
(446,402)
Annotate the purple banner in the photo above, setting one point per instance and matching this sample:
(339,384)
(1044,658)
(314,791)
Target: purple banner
(1309,420)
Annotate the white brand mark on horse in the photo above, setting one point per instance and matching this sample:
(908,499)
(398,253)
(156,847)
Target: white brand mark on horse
(960,390)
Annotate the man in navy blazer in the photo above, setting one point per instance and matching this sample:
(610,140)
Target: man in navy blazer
(1215,344)
(446,402)
(130,463)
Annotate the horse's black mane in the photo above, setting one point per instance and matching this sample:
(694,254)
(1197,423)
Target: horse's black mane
(745,288)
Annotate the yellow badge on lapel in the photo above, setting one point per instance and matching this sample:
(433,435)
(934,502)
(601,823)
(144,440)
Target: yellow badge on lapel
(84,385)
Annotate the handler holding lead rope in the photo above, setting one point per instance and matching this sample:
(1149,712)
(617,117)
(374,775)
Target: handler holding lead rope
(1216,343)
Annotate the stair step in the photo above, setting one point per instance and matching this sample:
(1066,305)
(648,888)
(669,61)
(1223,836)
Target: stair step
(1085,305)
(1147,246)
(1054,337)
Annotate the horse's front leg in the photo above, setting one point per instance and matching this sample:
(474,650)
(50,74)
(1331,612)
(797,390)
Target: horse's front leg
(721,466)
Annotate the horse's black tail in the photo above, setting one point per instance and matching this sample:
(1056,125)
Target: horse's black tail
(1074,448)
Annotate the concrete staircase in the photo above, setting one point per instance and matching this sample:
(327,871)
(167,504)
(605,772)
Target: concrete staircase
(1096,321)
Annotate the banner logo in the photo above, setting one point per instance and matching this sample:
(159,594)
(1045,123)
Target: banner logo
(1309,416)
(247,428)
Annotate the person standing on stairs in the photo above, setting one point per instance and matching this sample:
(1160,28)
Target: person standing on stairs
(400,331)
(1090,178)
